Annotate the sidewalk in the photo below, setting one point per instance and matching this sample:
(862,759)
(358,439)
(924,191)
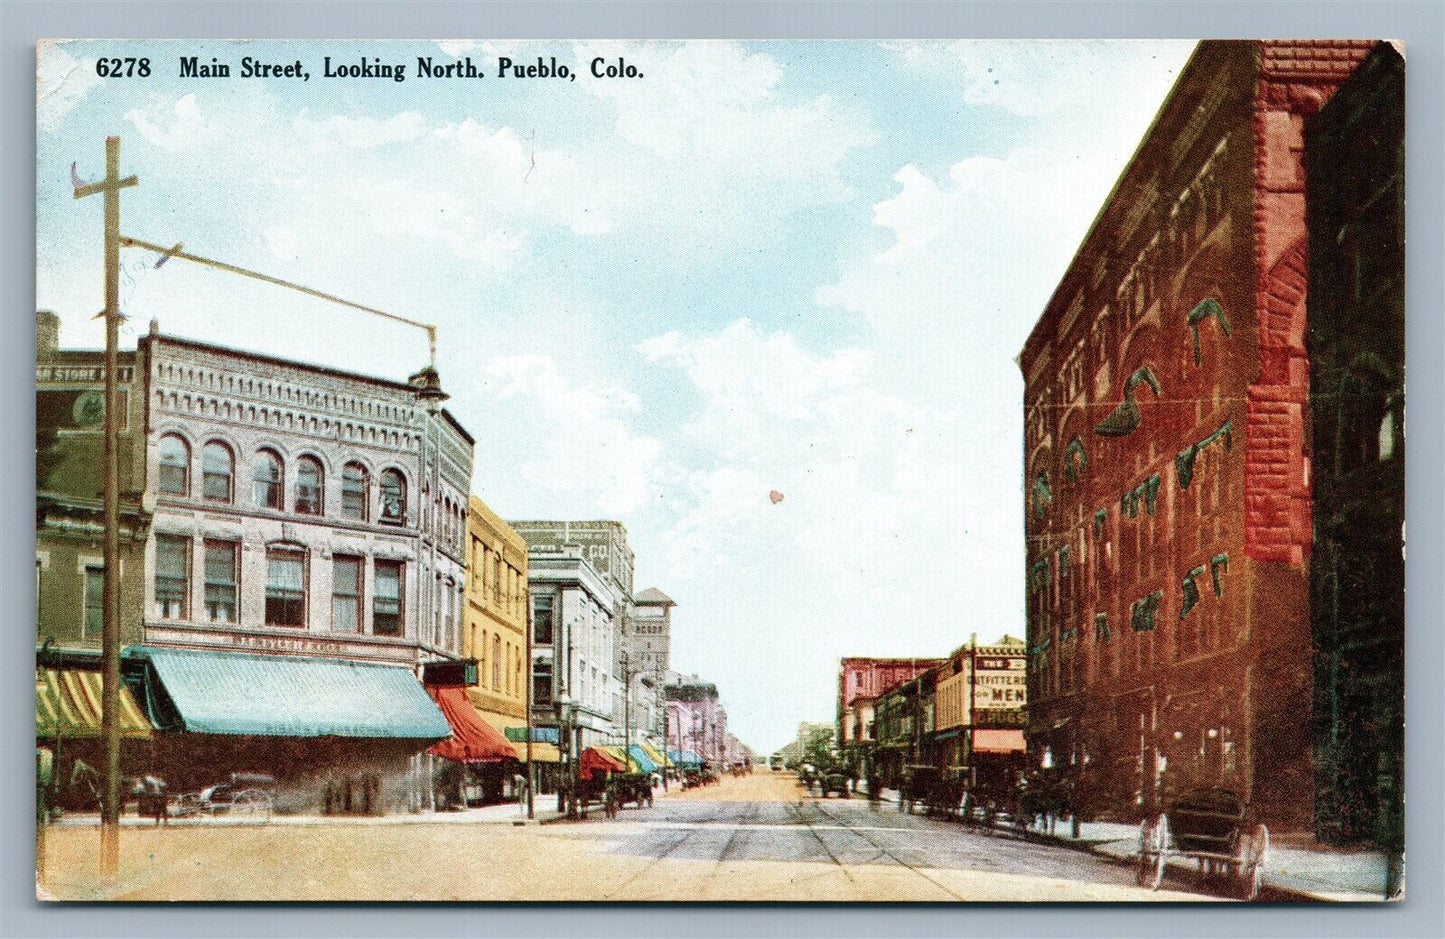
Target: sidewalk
(505,813)
(1313,873)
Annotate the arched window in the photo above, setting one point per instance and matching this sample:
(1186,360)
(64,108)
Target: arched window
(393,497)
(266,489)
(175,474)
(217,469)
(308,486)
(353,491)
(496,663)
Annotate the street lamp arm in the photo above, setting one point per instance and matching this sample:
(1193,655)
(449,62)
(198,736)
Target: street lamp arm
(175,252)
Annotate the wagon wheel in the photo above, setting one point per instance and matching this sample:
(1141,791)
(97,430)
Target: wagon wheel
(187,804)
(252,803)
(1253,854)
(1153,851)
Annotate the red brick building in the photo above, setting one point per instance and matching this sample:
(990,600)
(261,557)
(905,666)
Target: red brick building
(1167,455)
(861,681)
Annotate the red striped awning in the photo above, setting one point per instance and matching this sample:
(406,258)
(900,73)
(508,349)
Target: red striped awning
(596,761)
(473,740)
(998,741)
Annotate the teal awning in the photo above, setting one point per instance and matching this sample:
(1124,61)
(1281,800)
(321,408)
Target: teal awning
(287,696)
(644,762)
(686,759)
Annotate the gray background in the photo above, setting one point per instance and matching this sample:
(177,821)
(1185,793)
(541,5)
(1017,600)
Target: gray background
(1420,25)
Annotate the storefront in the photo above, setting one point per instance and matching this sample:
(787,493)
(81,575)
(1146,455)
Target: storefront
(477,762)
(337,735)
(67,724)
(546,758)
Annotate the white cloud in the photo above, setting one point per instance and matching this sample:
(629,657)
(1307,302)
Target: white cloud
(283,243)
(720,151)
(173,127)
(586,446)
(817,428)
(1031,78)
(61,82)
(974,255)
(360,133)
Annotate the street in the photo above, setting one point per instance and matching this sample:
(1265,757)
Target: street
(756,837)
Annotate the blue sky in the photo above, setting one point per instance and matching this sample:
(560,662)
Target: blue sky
(794,266)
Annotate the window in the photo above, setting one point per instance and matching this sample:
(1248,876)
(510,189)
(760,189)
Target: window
(217,468)
(542,684)
(386,599)
(172,563)
(221,581)
(496,663)
(93,618)
(346,594)
(285,587)
(353,491)
(308,485)
(175,465)
(542,619)
(266,481)
(393,497)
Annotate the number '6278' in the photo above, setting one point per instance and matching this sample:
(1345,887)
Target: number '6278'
(123,68)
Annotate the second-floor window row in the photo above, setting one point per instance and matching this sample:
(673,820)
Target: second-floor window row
(270,477)
(286,598)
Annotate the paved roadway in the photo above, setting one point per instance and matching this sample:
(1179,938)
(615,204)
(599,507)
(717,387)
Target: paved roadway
(751,838)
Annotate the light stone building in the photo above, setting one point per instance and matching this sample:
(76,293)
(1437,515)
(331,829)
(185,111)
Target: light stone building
(301,509)
(293,561)
(636,710)
(575,622)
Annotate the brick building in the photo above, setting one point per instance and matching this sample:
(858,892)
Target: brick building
(1355,195)
(1167,455)
(861,682)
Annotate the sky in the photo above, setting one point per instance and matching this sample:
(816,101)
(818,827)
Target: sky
(802,268)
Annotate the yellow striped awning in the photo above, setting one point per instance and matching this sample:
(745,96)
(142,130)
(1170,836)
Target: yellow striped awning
(542,752)
(622,756)
(67,704)
(655,755)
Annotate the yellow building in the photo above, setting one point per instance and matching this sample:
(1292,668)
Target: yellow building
(496,622)
(980,701)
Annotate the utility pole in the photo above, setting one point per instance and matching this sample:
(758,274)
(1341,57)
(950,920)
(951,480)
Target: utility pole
(110,603)
(626,706)
(972,690)
(527,704)
(666,757)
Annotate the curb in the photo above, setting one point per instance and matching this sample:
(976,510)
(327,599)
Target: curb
(1276,890)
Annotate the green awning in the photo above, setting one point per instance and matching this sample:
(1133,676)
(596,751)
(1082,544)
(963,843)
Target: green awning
(286,696)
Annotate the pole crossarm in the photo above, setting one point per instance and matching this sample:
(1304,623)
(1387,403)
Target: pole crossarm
(175,252)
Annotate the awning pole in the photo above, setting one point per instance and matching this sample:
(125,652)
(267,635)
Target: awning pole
(527,697)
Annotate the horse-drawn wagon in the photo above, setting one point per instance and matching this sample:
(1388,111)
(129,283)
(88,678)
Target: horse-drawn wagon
(1211,826)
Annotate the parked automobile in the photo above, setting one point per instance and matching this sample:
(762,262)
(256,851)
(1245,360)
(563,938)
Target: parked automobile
(244,795)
